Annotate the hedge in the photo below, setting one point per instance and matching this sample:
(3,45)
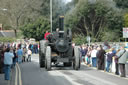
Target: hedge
(7,39)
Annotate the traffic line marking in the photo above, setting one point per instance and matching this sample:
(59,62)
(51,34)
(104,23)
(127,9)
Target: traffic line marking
(18,80)
(58,73)
(16,76)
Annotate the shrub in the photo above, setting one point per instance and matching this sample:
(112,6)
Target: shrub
(7,39)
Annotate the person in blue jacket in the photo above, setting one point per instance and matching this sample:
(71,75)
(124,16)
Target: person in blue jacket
(8,61)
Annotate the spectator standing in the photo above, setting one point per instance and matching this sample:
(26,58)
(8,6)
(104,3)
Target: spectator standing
(110,54)
(29,47)
(94,57)
(3,49)
(15,57)
(101,58)
(29,55)
(36,48)
(122,58)
(116,63)
(88,54)
(32,48)
(1,66)
(8,56)
(19,45)
(24,54)
(83,53)
(20,55)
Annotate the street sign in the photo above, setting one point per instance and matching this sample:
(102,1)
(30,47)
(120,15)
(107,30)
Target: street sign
(88,38)
(125,32)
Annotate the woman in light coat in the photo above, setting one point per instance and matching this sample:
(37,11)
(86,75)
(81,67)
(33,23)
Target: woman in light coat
(122,58)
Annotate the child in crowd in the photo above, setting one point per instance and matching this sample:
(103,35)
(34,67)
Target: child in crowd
(29,55)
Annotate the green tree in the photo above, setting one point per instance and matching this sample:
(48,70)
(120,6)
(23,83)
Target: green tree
(88,18)
(36,29)
(122,3)
(91,18)
(126,20)
(19,10)
(111,35)
(79,39)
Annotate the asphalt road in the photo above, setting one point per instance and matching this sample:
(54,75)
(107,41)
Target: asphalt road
(31,74)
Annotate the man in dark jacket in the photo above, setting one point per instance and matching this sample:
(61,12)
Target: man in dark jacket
(83,52)
(101,56)
(2,50)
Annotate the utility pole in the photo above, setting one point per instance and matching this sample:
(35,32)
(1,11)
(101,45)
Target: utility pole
(51,14)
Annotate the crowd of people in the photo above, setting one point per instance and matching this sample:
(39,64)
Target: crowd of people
(10,53)
(101,56)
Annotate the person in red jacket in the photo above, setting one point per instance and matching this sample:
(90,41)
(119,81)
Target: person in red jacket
(46,34)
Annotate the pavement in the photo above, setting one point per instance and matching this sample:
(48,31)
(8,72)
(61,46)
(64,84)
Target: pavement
(2,81)
(29,73)
(5,82)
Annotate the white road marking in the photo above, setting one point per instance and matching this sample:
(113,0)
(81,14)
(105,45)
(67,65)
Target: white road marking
(57,73)
(78,75)
(92,79)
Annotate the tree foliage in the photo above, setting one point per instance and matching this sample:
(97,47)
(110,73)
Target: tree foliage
(115,20)
(111,35)
(79,39)
(18,11)
(36,29)
(7,39)
(126,20)
(122,3)
(91,18)
(95,18)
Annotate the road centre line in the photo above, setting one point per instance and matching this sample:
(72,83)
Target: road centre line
(16,75)
(71,80)
(20,80)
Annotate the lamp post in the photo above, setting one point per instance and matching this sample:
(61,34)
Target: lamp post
(51,14)
(3,9)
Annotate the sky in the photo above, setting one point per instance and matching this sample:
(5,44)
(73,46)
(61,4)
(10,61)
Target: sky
(66,1)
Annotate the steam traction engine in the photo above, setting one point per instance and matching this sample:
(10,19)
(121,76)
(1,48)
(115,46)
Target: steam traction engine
(58,48)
